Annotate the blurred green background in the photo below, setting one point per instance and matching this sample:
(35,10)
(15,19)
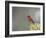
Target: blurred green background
(19,17)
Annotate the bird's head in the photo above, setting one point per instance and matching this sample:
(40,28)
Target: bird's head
(29,18)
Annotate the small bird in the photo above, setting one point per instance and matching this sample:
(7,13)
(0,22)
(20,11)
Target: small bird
(30,19)
(33,25)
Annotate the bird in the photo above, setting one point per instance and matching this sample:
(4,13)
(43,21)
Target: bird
(30,19)
(32,24)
